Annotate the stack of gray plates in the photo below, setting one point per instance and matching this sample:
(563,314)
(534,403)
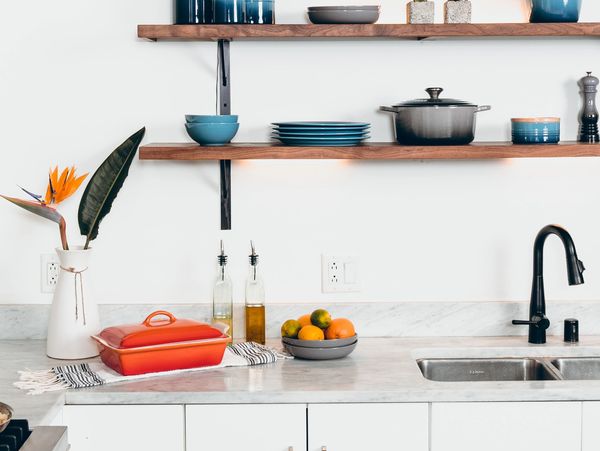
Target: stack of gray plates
(344,14)
(321,133)
(320,349)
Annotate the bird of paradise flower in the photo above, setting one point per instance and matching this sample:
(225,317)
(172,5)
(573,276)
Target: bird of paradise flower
(61,186)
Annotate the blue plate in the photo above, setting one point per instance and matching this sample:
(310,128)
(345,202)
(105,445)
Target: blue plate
(319,142)
(320,129)
(321,135)
(330,124)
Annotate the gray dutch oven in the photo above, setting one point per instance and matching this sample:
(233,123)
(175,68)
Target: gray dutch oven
(435,121)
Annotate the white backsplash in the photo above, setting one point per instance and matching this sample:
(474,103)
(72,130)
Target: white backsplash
(372,319)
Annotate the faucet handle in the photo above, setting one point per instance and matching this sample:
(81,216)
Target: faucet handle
(540,321)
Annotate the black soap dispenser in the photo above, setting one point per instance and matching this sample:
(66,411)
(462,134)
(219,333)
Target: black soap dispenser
(589,117)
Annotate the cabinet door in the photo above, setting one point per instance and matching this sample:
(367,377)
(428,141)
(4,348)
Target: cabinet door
(125,428)
(246,427)
(502,426)
(591,426)
(368,427)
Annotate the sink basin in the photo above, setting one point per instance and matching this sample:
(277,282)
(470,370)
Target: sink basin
(578,368)
(468,370)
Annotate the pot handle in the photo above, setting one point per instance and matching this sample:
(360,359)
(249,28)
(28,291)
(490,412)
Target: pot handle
(481,108)
(148,321)
(390,109)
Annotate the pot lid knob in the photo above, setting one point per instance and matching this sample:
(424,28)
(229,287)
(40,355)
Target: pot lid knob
(434,93)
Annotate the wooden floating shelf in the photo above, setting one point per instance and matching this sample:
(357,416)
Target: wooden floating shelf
(369,151)
(397,31)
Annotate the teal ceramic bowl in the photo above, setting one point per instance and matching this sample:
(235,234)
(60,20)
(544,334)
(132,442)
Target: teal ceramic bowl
(555,11)
(211,118)
(212,134)
(544,130)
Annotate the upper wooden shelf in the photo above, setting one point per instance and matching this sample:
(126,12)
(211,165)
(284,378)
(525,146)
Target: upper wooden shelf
(398,31)
(369,151)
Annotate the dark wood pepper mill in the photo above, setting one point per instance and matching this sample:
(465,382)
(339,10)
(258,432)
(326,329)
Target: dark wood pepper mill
(589,117)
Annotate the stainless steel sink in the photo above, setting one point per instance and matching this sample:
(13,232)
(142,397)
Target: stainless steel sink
(578,368)
(467,370)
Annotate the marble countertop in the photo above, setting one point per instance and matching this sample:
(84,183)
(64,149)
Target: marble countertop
(379,370)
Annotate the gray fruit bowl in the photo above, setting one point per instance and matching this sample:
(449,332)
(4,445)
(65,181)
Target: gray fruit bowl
(336,343)
(5,409)
(301,352)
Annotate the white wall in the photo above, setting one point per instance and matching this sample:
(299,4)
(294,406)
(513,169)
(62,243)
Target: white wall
(75,81)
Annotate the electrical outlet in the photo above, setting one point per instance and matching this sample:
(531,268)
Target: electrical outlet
(339,274)
(49,269)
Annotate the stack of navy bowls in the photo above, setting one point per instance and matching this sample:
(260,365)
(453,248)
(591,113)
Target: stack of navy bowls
(332,134)
(211,130)
(538,130)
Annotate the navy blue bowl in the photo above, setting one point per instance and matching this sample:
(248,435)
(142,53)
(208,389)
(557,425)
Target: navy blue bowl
(555,11)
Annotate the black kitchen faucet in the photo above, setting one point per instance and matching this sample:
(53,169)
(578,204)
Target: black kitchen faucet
(538,322)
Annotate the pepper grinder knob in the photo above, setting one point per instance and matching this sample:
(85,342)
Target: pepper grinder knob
(589,117)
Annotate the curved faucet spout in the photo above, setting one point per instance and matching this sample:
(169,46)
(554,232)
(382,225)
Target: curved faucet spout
(575,266)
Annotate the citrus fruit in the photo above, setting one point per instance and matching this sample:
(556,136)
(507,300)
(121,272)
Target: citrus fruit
(340,328)
(290,328)
(320,318)
(304,320)
(311,333)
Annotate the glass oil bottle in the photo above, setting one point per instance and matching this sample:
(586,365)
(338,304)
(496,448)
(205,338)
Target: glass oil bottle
(255,302)
(223,294)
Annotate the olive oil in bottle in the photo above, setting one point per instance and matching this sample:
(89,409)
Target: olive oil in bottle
(255,302)
(223,294)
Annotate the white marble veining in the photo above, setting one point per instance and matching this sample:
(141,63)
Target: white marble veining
(380,370)
(372,319)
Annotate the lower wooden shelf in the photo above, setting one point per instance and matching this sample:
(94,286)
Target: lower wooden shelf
(368,151)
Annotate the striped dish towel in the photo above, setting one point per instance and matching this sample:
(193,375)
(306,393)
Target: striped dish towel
(84,375)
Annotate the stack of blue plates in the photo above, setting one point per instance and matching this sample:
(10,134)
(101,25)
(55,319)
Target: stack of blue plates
(321,133)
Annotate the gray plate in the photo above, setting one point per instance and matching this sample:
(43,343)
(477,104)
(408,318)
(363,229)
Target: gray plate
(345,8)
(362,16)
(320,343)
(320,353)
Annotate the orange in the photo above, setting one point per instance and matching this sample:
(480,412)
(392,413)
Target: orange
(340,328)
(304,320)
(311,333)
(320,318)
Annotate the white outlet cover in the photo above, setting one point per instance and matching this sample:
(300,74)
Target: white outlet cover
(339,274)
(49,269)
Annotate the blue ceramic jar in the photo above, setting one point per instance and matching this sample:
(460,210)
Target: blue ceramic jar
(555,11)
(543,130)
(228,11)
(193,11)
(259,11)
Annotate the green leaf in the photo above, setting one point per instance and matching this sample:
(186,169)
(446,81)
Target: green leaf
(104,186)
(36,208)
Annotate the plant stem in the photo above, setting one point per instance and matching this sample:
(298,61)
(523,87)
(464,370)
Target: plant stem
(63,234)
(87,242)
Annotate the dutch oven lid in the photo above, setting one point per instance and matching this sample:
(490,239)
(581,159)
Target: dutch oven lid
(434,100)
(155,332)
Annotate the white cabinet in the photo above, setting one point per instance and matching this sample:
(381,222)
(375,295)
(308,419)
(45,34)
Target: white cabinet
(125,428)
(502,426)
(591,426)
(368,427)
(268,427)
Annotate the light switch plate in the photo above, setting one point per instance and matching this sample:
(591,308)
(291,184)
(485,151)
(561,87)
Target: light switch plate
(339,274)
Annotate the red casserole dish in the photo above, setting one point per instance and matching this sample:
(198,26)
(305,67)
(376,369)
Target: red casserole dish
(161,345)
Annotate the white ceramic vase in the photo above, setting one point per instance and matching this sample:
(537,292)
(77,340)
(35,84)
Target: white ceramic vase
(74,313)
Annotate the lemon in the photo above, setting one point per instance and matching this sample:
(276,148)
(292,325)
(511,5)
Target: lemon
(290,328)
(320,318)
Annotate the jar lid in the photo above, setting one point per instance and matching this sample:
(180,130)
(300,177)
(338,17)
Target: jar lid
(434,100)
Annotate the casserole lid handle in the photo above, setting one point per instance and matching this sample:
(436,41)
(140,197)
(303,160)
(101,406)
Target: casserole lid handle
(148,321)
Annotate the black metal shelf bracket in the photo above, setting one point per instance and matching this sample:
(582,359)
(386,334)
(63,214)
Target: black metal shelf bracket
(224,99)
